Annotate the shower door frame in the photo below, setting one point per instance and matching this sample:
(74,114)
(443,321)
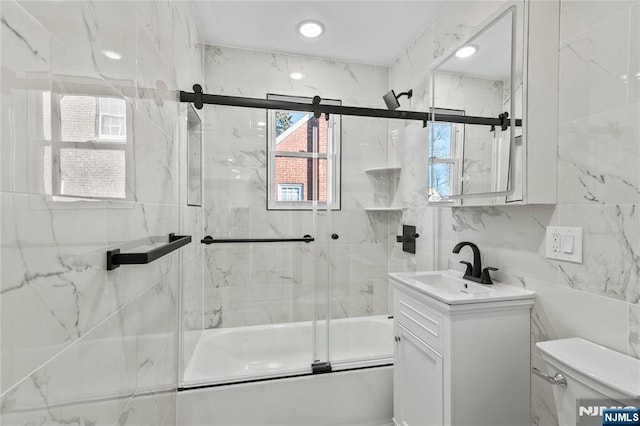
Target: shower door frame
(320,354)
(198,98)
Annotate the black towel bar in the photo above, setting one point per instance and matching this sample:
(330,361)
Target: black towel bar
(115,258)
(210,240)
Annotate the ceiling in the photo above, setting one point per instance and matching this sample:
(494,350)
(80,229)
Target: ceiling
(371,32)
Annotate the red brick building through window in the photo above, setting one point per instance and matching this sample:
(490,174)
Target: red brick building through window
(294,175)
(298,170)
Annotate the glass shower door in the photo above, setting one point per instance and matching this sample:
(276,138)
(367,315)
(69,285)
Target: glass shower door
(273,305)
(253,316)
(364,228)
(324,174)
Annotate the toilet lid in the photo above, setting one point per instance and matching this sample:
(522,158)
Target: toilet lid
(613,369)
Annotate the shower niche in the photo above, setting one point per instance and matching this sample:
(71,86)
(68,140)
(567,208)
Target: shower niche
(490,75)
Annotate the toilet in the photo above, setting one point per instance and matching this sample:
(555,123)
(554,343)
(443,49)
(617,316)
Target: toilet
(582,370)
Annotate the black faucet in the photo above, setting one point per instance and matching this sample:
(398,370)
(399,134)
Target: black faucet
(475,272)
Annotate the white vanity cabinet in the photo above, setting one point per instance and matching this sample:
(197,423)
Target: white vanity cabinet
(417,380)
(466,363)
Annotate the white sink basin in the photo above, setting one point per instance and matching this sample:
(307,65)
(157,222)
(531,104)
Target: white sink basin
(449,287)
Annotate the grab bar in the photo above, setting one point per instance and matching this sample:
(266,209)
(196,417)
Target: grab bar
(115,258)
(558,379)
(210,240)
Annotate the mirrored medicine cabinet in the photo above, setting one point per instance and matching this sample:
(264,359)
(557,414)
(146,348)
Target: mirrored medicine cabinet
(508,66)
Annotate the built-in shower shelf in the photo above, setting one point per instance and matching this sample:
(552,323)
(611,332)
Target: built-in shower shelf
(379,170)
(383,209)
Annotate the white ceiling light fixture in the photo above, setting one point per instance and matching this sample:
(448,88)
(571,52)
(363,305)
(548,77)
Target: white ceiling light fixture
(112,54)
(296,75)
(466,51)
(311,29)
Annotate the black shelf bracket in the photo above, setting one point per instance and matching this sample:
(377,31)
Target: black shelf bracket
(115,258)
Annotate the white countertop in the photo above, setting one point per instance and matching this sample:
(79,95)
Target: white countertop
(450,288)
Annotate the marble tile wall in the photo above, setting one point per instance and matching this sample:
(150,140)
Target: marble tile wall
(598,183)
(273,283)
(80,344)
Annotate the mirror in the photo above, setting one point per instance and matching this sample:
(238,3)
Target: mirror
(474,164)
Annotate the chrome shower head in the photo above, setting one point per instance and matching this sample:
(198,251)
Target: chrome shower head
(391,99)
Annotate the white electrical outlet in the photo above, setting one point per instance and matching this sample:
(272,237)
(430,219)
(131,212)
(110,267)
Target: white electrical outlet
(564,243)
(555,243)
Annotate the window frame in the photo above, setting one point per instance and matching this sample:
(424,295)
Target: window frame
(98,143)
(101,115)
(334,181)
(453,160)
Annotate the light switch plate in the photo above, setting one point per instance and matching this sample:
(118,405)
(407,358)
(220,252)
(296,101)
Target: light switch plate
(557,236)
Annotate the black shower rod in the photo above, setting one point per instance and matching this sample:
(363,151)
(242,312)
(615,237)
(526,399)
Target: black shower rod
(199,99)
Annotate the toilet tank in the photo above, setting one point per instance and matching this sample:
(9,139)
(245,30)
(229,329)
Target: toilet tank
(596,377)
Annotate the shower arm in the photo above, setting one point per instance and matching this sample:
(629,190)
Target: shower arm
(408,94)
(198,98)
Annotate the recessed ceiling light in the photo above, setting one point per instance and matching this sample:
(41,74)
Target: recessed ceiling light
(296,75)
(466,51)
(310,29)
(111,54)
(261,123)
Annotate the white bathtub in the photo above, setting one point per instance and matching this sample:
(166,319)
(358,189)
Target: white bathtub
(258,352)
(357,397)
(346,398)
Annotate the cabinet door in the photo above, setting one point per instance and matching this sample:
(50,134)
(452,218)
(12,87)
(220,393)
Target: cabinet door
(418,378)
(398,377)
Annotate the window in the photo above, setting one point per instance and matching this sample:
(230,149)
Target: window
(112,119)
(304,158)
(445,142)
(290,191)
(91,151)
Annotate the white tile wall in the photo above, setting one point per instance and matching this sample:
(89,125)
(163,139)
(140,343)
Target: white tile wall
(272,283)
(598,183)
(68,325)
(80,344)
